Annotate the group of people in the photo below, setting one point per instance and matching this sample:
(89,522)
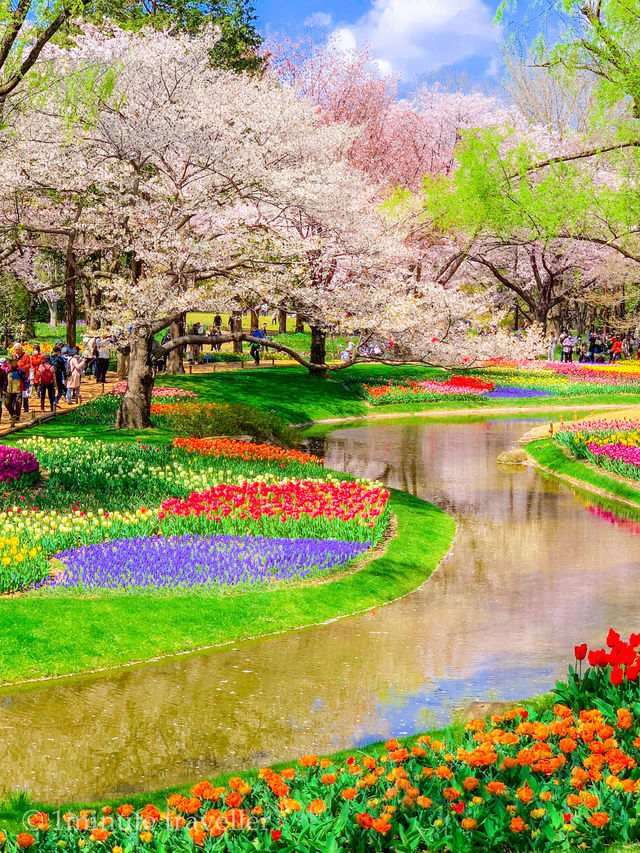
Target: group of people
(193,352)
(594,347)
(27,378)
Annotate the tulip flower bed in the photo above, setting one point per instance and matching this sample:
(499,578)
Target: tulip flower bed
(232,449)
(199,489)
(520,781)
(102,410)
(111,471)
(613,445)
(309,508)
(408,391)
(506,380)
(216,562)
(167,393)
(17,467)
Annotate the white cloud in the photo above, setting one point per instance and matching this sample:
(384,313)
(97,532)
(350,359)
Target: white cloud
(417,36)
(320,20)
(493,68)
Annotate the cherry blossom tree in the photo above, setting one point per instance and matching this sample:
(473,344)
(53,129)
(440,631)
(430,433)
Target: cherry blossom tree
(183,188)
(398,141)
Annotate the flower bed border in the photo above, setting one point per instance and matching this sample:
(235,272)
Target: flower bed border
(549,457)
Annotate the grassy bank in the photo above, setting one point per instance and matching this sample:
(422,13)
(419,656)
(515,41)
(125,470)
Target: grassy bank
(42,637)
(548,454)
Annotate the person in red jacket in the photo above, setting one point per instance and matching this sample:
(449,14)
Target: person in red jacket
(47,385)
(36,360)
(24,363)
(616,349)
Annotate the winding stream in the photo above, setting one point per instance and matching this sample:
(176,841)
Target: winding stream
(535,569)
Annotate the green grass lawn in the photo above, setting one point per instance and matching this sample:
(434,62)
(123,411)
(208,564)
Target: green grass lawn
(43,636)
(550,455)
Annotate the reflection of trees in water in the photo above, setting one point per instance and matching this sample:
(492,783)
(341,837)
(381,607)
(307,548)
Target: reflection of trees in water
(165,724)
(531,573)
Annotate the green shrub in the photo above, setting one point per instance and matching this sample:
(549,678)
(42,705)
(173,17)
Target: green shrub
(196,420)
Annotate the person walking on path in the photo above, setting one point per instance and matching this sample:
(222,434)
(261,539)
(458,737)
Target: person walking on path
(36,361)
(616,349)
(3,383)
(16,380)
(567,349)
(47,384)
(89,354)
(60,371)
(24,363)
(254,351)
(102,363)
(74,375)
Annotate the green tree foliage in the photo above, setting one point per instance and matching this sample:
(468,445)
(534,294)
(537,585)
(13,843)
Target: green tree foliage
(520,185)
(237,49)
(26,27)
(601,37)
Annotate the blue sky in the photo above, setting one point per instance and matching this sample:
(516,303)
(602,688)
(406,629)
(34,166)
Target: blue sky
(417,38)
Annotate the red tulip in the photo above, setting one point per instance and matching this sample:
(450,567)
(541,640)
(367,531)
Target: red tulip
(632,673)
(613,638)
(458,808)
(634,640)
(598,657)
(276,834)
(615,676)
(567,817)
(581,651)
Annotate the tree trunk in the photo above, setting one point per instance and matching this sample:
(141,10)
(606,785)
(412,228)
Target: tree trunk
(255,319)
(175,363)
(299,325)
(318,351)
(135,408)
(30,317)
(237,327)
(541,315)
(282,322)
(71,312)
(53,312)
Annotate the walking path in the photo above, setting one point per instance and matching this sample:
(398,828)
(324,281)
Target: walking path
(90,389)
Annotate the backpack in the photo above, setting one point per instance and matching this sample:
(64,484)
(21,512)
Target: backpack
(13,384)
(46,374)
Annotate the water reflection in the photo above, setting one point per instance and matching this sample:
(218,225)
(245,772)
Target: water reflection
(531,574)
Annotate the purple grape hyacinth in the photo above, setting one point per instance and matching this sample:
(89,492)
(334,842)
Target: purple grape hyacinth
(502,391)
(172,562)
(15,463)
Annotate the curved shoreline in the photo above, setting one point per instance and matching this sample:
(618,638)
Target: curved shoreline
(463,413)
(606,477)
(416,564)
